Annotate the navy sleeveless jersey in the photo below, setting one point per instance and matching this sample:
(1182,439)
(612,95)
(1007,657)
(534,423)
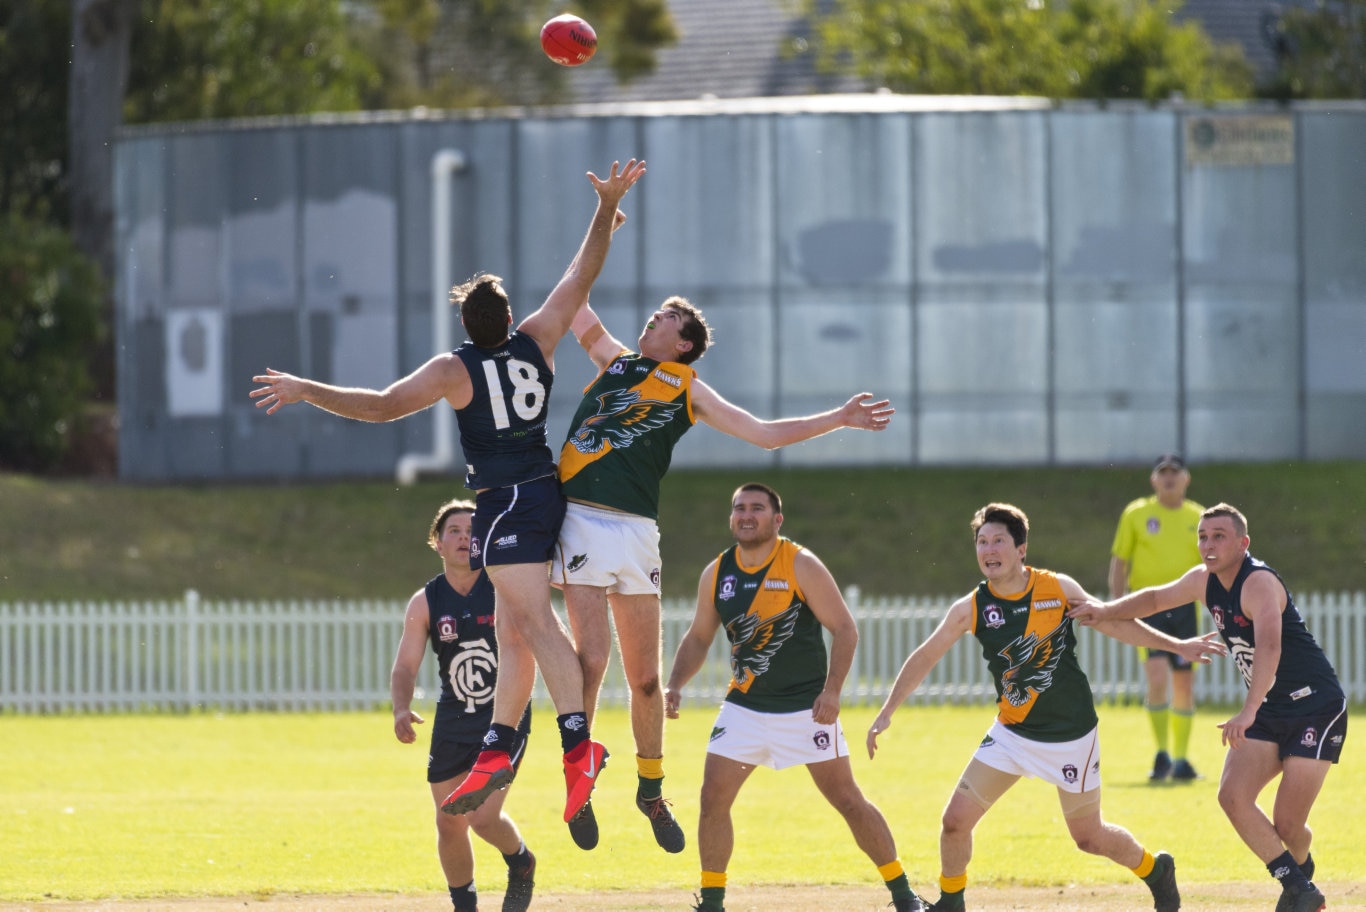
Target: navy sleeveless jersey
(1305,679)
(503,428)
(461,632)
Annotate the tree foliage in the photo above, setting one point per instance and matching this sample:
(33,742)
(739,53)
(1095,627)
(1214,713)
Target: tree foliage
(1102,49)
(1321,50)
(33,82)
(199,59)
(50,299)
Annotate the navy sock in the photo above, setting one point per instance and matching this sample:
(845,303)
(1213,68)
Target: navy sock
(520,859)
(1284,869)
(1308,866)
(501,738)
(464,898)
(573,730)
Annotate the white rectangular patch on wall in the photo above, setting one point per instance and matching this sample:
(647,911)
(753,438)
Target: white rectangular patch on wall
(194,363)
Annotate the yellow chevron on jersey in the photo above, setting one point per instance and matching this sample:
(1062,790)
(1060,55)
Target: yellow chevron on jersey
(1030,648)
(631,398)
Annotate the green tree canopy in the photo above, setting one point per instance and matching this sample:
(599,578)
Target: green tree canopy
(1102,49)
(1322,51)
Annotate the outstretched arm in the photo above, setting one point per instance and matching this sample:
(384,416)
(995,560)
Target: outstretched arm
(1189,588)
(1136,633)
(957,621)
(712,408)
(443,377)
(548,324)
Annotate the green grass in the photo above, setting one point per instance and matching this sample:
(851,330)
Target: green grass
(891,531)
(259,804)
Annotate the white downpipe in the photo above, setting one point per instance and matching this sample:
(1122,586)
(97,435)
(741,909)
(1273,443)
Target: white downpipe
(445,165)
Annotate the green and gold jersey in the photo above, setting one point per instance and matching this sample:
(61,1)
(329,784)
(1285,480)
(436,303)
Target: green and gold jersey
(1031,652)
(623,435)
(777,654)
(1158,544)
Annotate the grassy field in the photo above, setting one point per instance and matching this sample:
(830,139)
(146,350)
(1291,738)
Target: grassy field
(891,531)
(260,805)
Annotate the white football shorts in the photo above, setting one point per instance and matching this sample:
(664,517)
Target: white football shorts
(1073,766)
(615,551)
(776,740)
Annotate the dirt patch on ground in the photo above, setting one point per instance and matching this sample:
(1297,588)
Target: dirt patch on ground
(1103,898)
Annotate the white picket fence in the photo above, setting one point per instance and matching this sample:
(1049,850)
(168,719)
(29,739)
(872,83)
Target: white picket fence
(194,653)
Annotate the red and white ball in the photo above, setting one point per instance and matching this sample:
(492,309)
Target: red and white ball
(568,40)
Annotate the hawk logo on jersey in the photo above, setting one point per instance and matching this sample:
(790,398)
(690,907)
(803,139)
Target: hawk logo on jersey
(577,562)
(756,640)
(622,417)
(1032,662)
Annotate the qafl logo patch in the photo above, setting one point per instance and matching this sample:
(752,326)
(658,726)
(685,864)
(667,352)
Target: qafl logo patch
(1310,737)
(993,617)
(821,739)
(726,590)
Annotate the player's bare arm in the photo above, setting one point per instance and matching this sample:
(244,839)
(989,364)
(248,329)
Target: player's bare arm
(860,412)
(442,377)
(412,645)
(1145,602)
(693,648)
(548,324)
(1263,601)
(956,622)
(827,603)
(602,347)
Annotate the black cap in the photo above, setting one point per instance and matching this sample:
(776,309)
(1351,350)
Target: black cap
(1169,461)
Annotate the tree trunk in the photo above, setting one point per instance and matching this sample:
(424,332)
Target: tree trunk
(101,33)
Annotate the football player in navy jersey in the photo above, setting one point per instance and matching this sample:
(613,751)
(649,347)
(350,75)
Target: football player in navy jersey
(453,614)
(499,385)
(1293,720)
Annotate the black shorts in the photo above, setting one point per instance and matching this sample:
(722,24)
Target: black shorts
(453,752)
(518,524)
(1317,734)
(1178,622)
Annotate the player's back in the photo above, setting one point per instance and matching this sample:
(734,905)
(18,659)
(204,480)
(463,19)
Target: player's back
(503,429)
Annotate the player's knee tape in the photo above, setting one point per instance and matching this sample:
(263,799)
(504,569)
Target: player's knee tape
(984,784)
(1078,804)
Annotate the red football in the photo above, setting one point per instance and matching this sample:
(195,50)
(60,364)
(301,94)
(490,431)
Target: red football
(568,40)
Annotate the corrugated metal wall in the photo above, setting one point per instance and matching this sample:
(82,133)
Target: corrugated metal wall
(1029,284)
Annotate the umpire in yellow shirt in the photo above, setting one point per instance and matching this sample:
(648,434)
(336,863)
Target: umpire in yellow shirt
(1154,544)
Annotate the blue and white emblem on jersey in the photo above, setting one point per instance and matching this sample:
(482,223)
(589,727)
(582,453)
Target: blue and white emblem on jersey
(1154,525)
(727,590)
(617,368)
(993,616)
